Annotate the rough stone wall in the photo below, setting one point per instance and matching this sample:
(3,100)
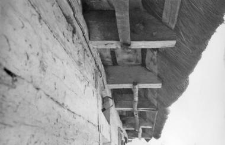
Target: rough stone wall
(48,89)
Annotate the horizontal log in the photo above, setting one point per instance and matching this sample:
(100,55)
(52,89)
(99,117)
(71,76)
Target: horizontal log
(134,44)
(124,76)
(132,128)
(119,86)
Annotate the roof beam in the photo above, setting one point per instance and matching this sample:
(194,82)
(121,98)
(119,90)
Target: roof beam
(124,76)
(123,20)
(170,12)
(133,45)
(129,85)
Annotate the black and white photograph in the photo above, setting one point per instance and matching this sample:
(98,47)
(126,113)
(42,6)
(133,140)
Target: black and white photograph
(112,72)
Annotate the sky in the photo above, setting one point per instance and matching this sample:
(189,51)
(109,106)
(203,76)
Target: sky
(198,117)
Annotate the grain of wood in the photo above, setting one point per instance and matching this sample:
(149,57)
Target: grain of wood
(134,44)
(123,20)
(170,12)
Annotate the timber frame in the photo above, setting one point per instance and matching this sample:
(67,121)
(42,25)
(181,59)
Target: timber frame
(128,47)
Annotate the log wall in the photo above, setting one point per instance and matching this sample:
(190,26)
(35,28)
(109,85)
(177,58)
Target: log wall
(48,89)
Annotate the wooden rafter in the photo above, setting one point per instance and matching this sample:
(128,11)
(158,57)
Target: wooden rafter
(170,12)
(134,44)
(123,21)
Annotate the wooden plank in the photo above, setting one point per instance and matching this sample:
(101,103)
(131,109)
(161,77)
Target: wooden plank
(135,105)
(151,60)
(143,105)
(121,56)
(119,86)
(129,122)
(124,76)
(134,44)
(102,27)
(139,109)
(133,134)
(123,20)
(126,95)
(132,128)
(170,12)
(140,133)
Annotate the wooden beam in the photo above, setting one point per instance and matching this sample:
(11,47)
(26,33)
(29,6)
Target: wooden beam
(140,133)
(144,27)
(132,128)
(139,109)
(119,86)
(126,95)
(135,104)
(170,12)
(142,105)
(123,20)
(133,134)
(134,44)
(124,76)
(129,128)
(145,126)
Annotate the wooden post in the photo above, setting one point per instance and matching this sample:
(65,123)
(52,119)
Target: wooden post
(135,91)
(140,133)
(123,21)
